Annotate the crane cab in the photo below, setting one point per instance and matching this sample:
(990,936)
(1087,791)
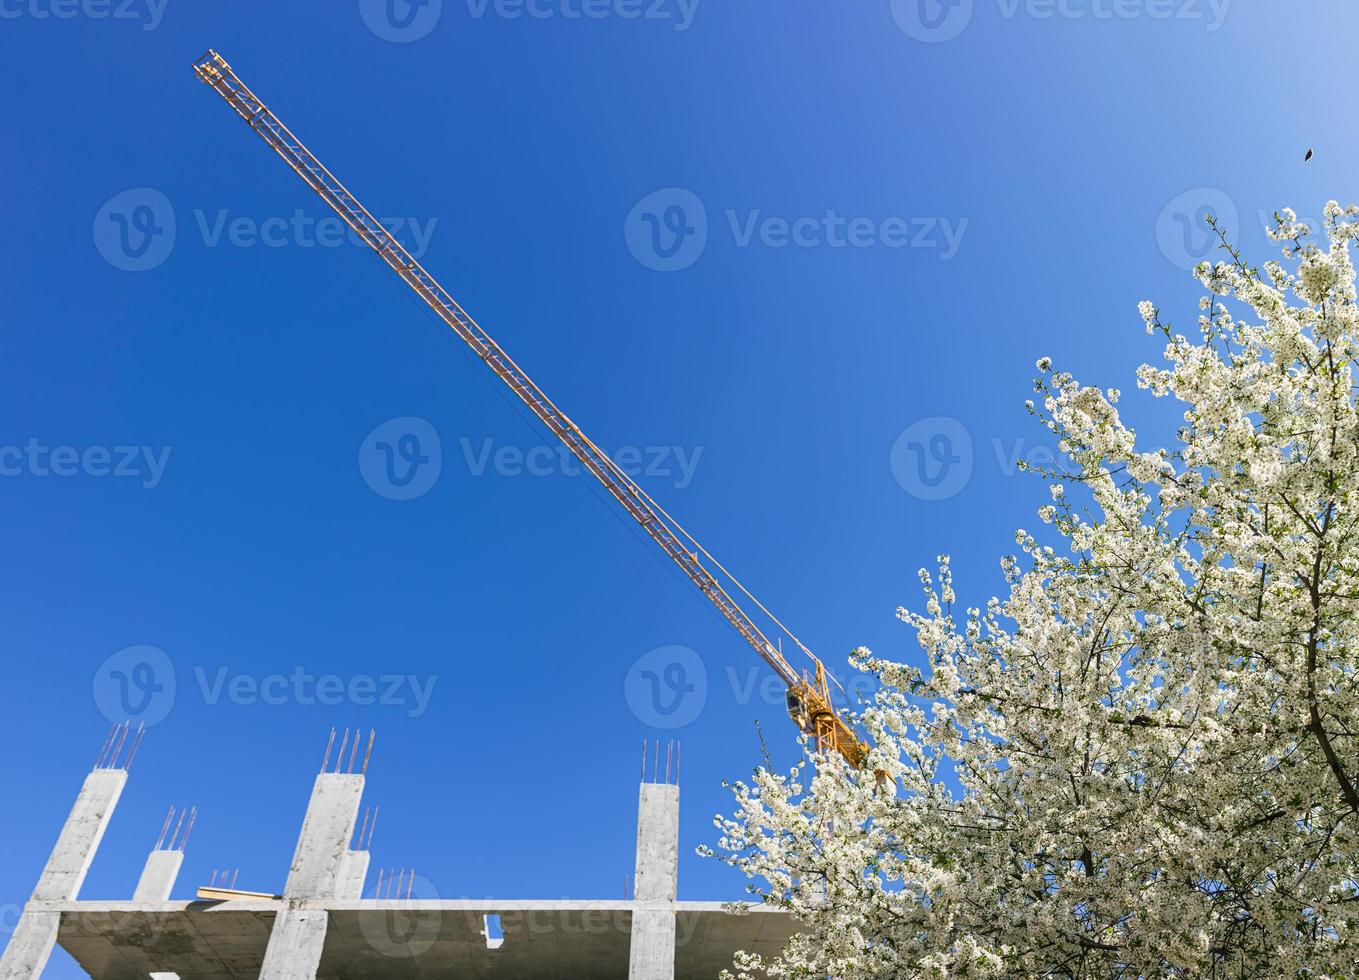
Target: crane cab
(798,710)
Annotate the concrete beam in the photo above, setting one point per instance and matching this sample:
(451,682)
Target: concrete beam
(651,953)
(36,934)
(158,876)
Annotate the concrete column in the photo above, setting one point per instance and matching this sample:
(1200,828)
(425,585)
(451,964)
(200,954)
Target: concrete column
(158,876)
(295,944)
(36,934)
(323,846)
(30,945)
(320,869)
(651,955)
(353,877)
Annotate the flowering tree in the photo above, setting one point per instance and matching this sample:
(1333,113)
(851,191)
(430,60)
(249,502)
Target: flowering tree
(1143,761)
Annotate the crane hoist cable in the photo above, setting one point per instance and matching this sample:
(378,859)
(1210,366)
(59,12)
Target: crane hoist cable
(809,700)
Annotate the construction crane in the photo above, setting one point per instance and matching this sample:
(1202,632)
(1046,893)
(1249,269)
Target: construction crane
(809,698)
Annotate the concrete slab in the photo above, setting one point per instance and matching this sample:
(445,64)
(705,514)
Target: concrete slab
(405,940)
(125,940)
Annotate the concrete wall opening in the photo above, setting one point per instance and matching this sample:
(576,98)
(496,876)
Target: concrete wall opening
(494,932)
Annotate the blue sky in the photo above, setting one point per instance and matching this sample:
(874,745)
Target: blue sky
(792,260)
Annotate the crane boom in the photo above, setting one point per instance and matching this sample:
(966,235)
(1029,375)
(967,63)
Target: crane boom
(808,698)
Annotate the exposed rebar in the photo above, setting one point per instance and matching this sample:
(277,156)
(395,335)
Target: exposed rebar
(136,744)
(325,763)
(372,828)
(344,743)
(103,749)
(372,734)
(193,817)
(165,828)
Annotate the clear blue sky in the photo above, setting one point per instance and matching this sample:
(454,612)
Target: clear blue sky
(1037,160)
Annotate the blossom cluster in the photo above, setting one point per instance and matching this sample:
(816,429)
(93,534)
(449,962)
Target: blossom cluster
(1144,760)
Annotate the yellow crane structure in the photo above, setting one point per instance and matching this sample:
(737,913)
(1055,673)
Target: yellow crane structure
(809,699)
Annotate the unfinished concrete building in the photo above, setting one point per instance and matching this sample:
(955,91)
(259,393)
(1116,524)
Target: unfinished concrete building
(331,923)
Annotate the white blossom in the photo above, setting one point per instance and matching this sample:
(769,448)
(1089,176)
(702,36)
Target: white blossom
(1142,762)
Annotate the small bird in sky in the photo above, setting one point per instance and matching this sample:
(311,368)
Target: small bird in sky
(1309,155)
